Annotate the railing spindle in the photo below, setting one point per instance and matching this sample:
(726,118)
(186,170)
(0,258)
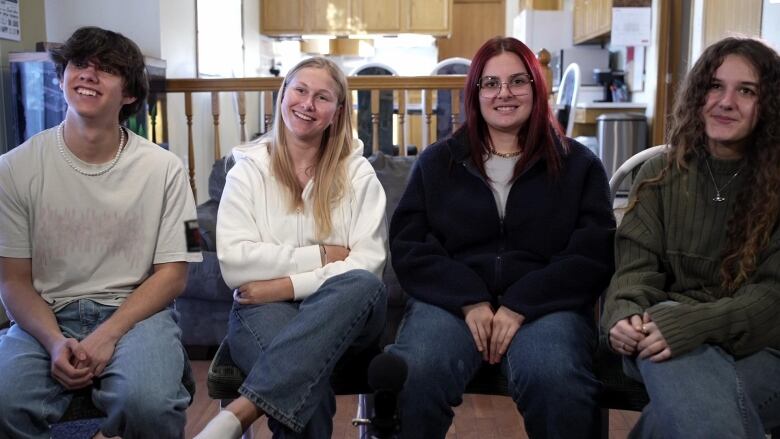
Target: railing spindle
(401,122)
(241,116)
(455,102)
(215,115)
(268,106)
(375,119)
(427,113)
(152,102)
(190,143)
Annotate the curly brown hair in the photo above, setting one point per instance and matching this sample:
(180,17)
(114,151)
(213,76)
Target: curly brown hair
(759,200)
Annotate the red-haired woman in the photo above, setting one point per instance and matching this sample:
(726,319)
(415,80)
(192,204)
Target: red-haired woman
(503,239)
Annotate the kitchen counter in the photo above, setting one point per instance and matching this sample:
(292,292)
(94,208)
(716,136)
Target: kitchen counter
(586,113)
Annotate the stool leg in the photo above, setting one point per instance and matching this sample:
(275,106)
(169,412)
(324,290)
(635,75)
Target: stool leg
(363,412)
(604,423)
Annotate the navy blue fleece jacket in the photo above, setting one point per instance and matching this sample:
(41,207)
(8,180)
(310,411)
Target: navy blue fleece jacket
(553,250)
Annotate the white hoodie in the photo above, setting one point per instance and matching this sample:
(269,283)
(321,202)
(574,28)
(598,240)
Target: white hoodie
(258,238)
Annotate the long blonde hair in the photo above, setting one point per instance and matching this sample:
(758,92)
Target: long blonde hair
(330,175)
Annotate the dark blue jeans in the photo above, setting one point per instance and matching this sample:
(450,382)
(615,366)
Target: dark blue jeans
(548,366)
(288,350)
(707,393)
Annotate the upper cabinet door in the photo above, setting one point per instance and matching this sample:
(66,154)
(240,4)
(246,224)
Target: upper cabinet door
(355,17)
(329,16)
(281,17)
(433,17)
(592,20)
(375,16)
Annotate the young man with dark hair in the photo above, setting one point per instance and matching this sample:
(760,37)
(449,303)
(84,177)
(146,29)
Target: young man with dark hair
(92,254)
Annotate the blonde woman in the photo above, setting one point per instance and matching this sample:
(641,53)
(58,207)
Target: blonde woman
(302,238)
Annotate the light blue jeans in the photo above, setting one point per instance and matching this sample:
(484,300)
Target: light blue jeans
(288,350)
(140,390)
(707,393)
(548,367)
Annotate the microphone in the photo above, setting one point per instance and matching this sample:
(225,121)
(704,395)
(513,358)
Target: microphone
(386,375)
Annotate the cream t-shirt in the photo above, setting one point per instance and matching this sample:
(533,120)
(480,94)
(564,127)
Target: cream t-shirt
(93,237)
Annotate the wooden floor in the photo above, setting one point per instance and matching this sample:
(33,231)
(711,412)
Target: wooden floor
(479,417)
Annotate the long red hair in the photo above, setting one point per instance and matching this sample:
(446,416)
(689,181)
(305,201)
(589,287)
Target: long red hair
(540,135)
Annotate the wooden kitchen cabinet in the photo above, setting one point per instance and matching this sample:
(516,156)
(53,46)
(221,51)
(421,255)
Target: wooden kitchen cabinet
(371,16)
(328,16)
(355,17)
(592,20)
(431,17)
(281,17)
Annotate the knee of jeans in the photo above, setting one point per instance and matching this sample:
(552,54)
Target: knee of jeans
(362,284)
(551,378)
(428,371)
(154,408)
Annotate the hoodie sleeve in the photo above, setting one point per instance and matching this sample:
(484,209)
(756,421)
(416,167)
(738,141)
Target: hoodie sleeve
(367,235)
(243,256)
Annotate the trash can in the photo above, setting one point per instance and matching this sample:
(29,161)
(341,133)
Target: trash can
(620,135)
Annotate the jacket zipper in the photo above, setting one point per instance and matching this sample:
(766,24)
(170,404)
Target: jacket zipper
(299,226)
(499,258)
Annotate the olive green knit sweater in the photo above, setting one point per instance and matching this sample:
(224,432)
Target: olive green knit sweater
(667,260)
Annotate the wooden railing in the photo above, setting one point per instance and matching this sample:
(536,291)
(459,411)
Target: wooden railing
(402,87)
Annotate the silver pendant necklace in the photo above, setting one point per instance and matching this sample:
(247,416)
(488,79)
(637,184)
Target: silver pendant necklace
(61,146)
(719,198)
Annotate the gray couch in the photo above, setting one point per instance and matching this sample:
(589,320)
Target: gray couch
(206,301)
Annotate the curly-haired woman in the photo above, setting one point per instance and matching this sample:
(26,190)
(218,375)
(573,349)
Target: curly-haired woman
(694,301)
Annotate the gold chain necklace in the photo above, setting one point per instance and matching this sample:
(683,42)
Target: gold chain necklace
(719,198)
(506,155)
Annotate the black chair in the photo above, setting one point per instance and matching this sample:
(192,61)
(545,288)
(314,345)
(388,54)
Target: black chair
(443,110)
(385,117)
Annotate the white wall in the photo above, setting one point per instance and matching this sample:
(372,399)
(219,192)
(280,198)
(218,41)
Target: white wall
(138,20)
(770,17)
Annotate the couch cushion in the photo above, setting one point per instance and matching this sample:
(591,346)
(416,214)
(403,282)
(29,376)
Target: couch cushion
(217,178)
(204,281)
(392,172)
(207,223)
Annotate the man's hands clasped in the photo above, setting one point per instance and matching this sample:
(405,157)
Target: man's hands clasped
(74,364)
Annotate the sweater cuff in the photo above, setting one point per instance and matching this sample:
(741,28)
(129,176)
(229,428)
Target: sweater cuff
(666,316)
(619,310)
(304,284)
(307,258)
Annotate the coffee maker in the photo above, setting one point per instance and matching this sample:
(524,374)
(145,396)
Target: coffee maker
(614,84)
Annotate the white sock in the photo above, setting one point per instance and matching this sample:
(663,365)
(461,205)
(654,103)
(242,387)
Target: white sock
(224,426)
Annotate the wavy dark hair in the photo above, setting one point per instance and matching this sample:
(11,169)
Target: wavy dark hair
(539,136)
(749,232)
(107,49)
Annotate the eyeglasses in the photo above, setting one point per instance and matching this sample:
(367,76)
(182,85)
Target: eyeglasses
(490,86)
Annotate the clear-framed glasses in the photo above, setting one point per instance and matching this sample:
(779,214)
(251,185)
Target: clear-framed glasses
(517,84)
